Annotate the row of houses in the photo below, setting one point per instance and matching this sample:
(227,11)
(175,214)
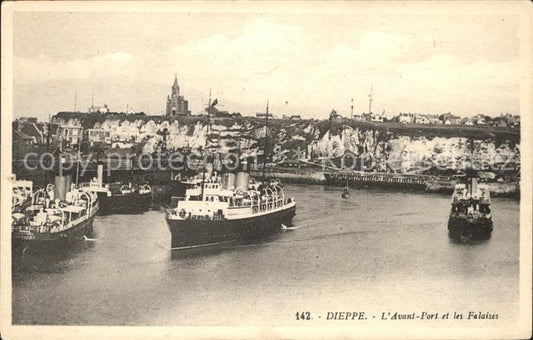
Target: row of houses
(28,132)
(504,120)
(368,117)
(262,115)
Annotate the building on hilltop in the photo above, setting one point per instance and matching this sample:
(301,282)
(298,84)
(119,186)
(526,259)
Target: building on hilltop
(176,104)
(405,118)
(98,109)
(262,115)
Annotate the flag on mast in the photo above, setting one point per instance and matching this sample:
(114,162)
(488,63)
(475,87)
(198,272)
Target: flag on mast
(215,102)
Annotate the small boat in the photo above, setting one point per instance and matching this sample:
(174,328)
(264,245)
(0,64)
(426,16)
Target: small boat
(346,192)
(55,217)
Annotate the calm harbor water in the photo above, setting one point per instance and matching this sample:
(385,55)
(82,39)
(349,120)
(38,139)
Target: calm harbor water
(376,252)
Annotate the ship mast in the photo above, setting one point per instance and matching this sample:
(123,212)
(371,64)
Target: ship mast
(206,142)
(370,101)
(78,164)
(266,145)
(47,149)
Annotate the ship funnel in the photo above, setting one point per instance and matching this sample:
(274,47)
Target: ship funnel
(62,185)
(100,174)
(242,180)
(208,170)
(228,181)
(473,187)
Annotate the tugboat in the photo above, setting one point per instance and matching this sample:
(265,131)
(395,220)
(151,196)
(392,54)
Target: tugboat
(55,217)
(119,198)
(224,209)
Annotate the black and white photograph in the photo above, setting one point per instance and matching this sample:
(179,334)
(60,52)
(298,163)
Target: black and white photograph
(264,169)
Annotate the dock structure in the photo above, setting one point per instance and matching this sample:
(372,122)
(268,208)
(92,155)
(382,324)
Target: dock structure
(377,180)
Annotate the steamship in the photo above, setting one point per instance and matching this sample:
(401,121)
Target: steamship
(470,216)
(56,216)
(223,209)
(119,198)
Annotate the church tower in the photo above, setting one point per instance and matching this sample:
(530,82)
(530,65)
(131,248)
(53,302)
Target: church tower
(176,104)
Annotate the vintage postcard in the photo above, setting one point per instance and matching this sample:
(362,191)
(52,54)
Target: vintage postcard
(264,169)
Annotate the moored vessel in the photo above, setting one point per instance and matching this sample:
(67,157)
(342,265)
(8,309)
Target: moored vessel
(119,198)
(56,216)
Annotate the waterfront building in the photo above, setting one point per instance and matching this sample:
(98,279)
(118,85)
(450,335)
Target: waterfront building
(24,120)
(40,133)
(20,139)
(71,134)
(176,104)
(97,136)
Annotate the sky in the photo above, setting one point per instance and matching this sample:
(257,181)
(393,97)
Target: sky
(304,60)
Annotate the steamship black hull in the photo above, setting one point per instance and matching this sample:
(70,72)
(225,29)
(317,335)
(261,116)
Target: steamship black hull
(195,233)
(124,203)
(21,240)
(464,229)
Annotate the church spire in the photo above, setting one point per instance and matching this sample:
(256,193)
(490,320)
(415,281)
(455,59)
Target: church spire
(175,86)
